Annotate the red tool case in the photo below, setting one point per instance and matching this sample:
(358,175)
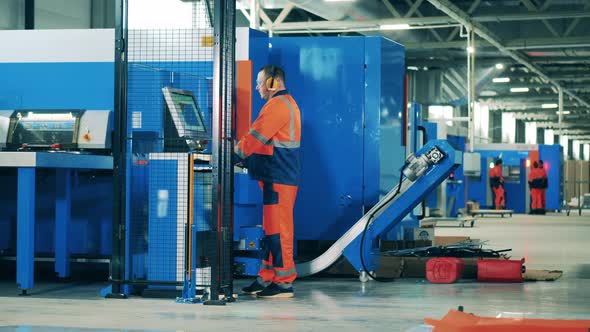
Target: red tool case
(500,270)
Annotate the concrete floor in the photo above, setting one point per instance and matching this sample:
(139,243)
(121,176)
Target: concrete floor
(547,242)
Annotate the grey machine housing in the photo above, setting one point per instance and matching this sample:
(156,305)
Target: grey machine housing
(90,130)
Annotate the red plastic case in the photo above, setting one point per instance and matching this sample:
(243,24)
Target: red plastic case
(444,270)
(500,270)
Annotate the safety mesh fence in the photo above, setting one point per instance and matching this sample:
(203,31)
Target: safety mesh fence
(171,235)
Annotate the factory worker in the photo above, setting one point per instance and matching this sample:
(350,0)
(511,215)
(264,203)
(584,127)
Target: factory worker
(271,152)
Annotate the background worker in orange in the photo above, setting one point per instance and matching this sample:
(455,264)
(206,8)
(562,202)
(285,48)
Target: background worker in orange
(271,151)
(536,183)
(497,185)
(545,185)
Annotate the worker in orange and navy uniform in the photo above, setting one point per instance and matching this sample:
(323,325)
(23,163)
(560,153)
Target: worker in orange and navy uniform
(271,152)
(536,185)
(544,188)
(497,185)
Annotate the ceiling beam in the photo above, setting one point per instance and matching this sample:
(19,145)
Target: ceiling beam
(502,86)
(416,60)
(284,13)
(419,14)
(574,23)
(391,8)
(453,11)
(471,9)
(513,44)
(527,100)
(413,7)
(532,8)
(567,125)
(427,20)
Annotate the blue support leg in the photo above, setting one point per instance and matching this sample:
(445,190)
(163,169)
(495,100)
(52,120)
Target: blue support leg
(25,253)
(62,221)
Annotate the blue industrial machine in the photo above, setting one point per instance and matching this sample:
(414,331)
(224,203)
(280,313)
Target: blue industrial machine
(354,115)
(354,140)
(516,162)
(422,173)
(58,187)
(446,200)
(75,189)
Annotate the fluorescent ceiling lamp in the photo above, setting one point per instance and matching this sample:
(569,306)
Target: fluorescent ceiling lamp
(519,89)
(488,93)
(412,68)
(564,112)
(499,66)
(549,106)
(470,49)
(48,116)
(394,27)
(501,80)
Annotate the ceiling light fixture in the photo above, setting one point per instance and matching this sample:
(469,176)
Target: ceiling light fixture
(519,89)
(470,49)
(564,112)
(549,106)
(488,93)
(499,66)
(394,27)
(501,80)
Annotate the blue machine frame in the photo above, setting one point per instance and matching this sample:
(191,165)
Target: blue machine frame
(412,195)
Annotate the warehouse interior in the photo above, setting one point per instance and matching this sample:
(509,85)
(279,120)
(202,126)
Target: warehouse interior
(441,152)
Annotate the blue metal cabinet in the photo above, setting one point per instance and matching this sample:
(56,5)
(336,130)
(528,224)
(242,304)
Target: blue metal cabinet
(342,86)
(552,156)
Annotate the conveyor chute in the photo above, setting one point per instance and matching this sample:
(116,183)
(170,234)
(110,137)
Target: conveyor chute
(422,173)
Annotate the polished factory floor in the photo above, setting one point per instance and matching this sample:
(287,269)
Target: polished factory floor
(546,242)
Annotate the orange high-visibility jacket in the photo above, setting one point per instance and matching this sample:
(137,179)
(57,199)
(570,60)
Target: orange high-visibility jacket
(536,180)
(496,178)
(272,145)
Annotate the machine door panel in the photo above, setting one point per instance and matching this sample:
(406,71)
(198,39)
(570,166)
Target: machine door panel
(318,70)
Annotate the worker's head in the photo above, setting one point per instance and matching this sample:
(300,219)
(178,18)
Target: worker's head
(498,162)
(535,164)
(270,80)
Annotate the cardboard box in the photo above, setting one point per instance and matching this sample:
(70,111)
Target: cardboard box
(387,245)
(400,267)
(471,205)
(448,240)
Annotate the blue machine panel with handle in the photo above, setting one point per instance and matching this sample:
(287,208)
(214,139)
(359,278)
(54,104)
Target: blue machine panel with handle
(338,84)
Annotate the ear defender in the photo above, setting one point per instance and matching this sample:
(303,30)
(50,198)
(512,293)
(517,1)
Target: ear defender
(271,83)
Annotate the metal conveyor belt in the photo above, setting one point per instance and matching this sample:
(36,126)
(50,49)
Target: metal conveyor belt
(331,255)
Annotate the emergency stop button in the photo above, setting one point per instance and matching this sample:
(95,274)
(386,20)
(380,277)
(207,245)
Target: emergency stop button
(86,137)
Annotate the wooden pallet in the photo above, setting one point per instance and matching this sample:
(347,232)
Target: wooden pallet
(500,213)
(443,222)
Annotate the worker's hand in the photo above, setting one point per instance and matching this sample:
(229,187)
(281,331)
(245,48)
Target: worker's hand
(237,161)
